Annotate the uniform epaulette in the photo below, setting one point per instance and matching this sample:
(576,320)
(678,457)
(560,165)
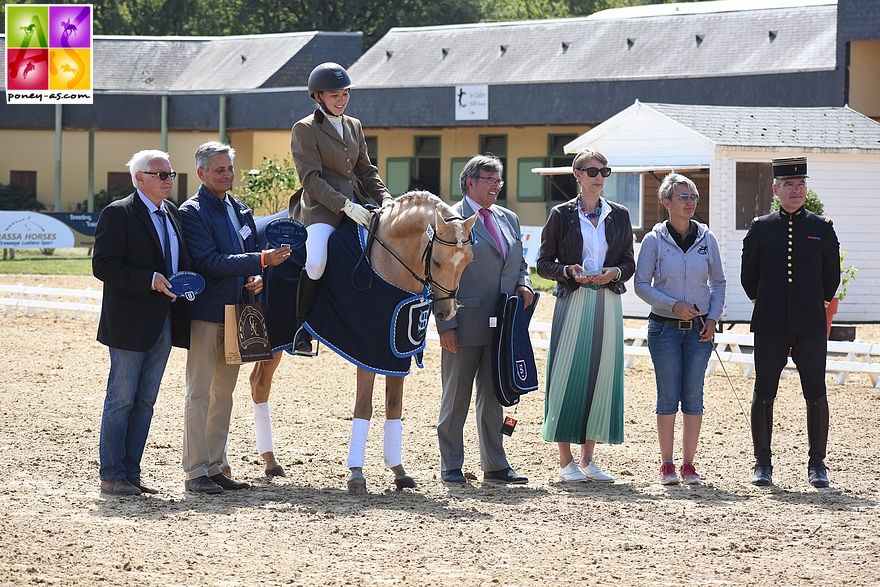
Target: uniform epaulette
(757,218)
(828,220)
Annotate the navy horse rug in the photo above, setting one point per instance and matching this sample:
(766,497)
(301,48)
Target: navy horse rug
(361,316)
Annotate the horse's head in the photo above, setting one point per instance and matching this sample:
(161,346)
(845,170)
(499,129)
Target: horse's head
(450,252)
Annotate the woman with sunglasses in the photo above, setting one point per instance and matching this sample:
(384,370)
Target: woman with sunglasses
(679,274)
(587,247)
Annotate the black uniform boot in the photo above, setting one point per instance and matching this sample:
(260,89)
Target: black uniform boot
(306,294)
(817,432)
(762,431)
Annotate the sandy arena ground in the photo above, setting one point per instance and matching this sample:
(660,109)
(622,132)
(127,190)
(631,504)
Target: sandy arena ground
(57,529)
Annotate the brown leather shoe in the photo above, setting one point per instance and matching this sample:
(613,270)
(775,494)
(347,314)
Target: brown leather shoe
(119,487)
(136,481)
(202,485)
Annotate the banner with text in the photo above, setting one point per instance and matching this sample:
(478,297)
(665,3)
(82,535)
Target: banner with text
(50,230)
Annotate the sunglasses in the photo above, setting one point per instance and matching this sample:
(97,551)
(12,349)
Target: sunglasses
(163,175)
(594,171)
(684,197)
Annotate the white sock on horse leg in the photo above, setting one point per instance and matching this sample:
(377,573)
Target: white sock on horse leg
(263,427)
(393,443)
(358,444)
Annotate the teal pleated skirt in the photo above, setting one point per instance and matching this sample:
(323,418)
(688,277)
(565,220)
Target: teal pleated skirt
(584,383)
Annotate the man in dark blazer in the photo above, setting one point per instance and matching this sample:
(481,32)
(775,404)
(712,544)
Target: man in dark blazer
(221,238)
(790,271)
(138,246)
(498,267)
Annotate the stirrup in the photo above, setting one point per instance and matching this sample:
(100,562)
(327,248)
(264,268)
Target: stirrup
(309,353)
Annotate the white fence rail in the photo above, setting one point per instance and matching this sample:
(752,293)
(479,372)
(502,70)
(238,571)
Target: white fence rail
(733,349)
(844,358)
(56,300)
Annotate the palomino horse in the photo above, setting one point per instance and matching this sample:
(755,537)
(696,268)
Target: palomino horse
(419,241)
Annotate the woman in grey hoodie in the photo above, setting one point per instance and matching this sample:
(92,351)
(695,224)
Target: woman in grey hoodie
(679,274)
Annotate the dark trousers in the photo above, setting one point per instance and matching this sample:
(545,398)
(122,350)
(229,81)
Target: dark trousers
(771,354)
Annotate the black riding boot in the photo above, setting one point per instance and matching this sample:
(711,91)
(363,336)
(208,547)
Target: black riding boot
(762,432)
(306,294)
(817,432)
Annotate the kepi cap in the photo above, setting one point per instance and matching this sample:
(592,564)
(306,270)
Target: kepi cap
(788,167)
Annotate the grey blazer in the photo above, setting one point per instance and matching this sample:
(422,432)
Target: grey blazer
(486,277)
(329,168)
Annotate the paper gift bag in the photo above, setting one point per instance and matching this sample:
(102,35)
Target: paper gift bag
(244,334)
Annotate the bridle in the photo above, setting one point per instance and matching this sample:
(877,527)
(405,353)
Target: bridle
(427,256)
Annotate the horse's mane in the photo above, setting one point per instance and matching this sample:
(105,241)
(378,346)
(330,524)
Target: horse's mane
(419,198)
(419,203)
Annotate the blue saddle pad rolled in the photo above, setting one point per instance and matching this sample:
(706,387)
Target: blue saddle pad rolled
(514,372)
(361,316)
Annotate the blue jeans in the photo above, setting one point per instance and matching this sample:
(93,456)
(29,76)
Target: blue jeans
(680,361)
(132,389)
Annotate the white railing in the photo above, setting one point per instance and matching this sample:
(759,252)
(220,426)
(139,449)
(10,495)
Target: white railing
(734,349)
(34,299)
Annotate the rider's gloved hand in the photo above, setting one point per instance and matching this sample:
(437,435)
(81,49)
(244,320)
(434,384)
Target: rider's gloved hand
(357,213)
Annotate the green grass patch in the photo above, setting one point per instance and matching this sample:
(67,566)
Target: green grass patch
(60,262)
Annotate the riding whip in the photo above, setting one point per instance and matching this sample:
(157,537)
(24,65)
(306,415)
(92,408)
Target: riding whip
(723,368)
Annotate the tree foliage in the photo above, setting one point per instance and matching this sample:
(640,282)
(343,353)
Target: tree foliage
(245,17)
(269,186)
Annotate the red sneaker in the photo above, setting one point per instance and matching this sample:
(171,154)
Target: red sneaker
(689,474)
(668,475)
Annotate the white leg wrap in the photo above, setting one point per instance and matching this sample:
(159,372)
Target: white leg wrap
(358,445)
(393,443)
(263,427)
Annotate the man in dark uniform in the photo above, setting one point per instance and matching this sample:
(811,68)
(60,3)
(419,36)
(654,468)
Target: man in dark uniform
(790,271)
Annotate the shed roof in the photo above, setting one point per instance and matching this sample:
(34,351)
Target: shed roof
(777,128)
(785,36)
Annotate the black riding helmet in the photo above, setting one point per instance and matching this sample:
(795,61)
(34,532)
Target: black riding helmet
(328,77)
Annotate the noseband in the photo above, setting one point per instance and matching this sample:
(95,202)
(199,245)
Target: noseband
(428,254)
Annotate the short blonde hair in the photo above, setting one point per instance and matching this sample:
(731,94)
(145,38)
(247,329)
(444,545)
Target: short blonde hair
(670,181)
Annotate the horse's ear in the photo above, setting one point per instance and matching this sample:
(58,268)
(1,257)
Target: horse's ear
(469,223)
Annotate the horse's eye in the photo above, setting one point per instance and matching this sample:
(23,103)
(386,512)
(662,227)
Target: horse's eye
(435,263)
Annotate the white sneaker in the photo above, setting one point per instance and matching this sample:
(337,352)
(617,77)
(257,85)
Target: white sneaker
(593,473)
(571,472)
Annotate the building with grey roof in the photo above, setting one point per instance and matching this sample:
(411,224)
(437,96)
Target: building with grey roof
(532,87)
(727,151)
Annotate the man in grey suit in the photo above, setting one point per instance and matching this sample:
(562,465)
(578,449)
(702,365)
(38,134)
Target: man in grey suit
(498,267)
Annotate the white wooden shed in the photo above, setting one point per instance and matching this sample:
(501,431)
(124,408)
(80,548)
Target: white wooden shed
(736,145)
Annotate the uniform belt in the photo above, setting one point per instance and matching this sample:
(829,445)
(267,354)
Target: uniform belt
(680,324)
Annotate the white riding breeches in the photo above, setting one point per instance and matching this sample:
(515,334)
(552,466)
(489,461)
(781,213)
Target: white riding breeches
(316,249)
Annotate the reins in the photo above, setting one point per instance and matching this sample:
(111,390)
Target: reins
(427,282)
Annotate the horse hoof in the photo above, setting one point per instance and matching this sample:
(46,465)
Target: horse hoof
(357,483)
(401,479)
(405,482)
(276,471)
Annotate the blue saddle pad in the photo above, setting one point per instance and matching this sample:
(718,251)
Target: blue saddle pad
(361,316)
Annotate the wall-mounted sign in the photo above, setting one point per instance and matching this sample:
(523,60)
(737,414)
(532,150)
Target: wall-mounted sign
(472,102)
